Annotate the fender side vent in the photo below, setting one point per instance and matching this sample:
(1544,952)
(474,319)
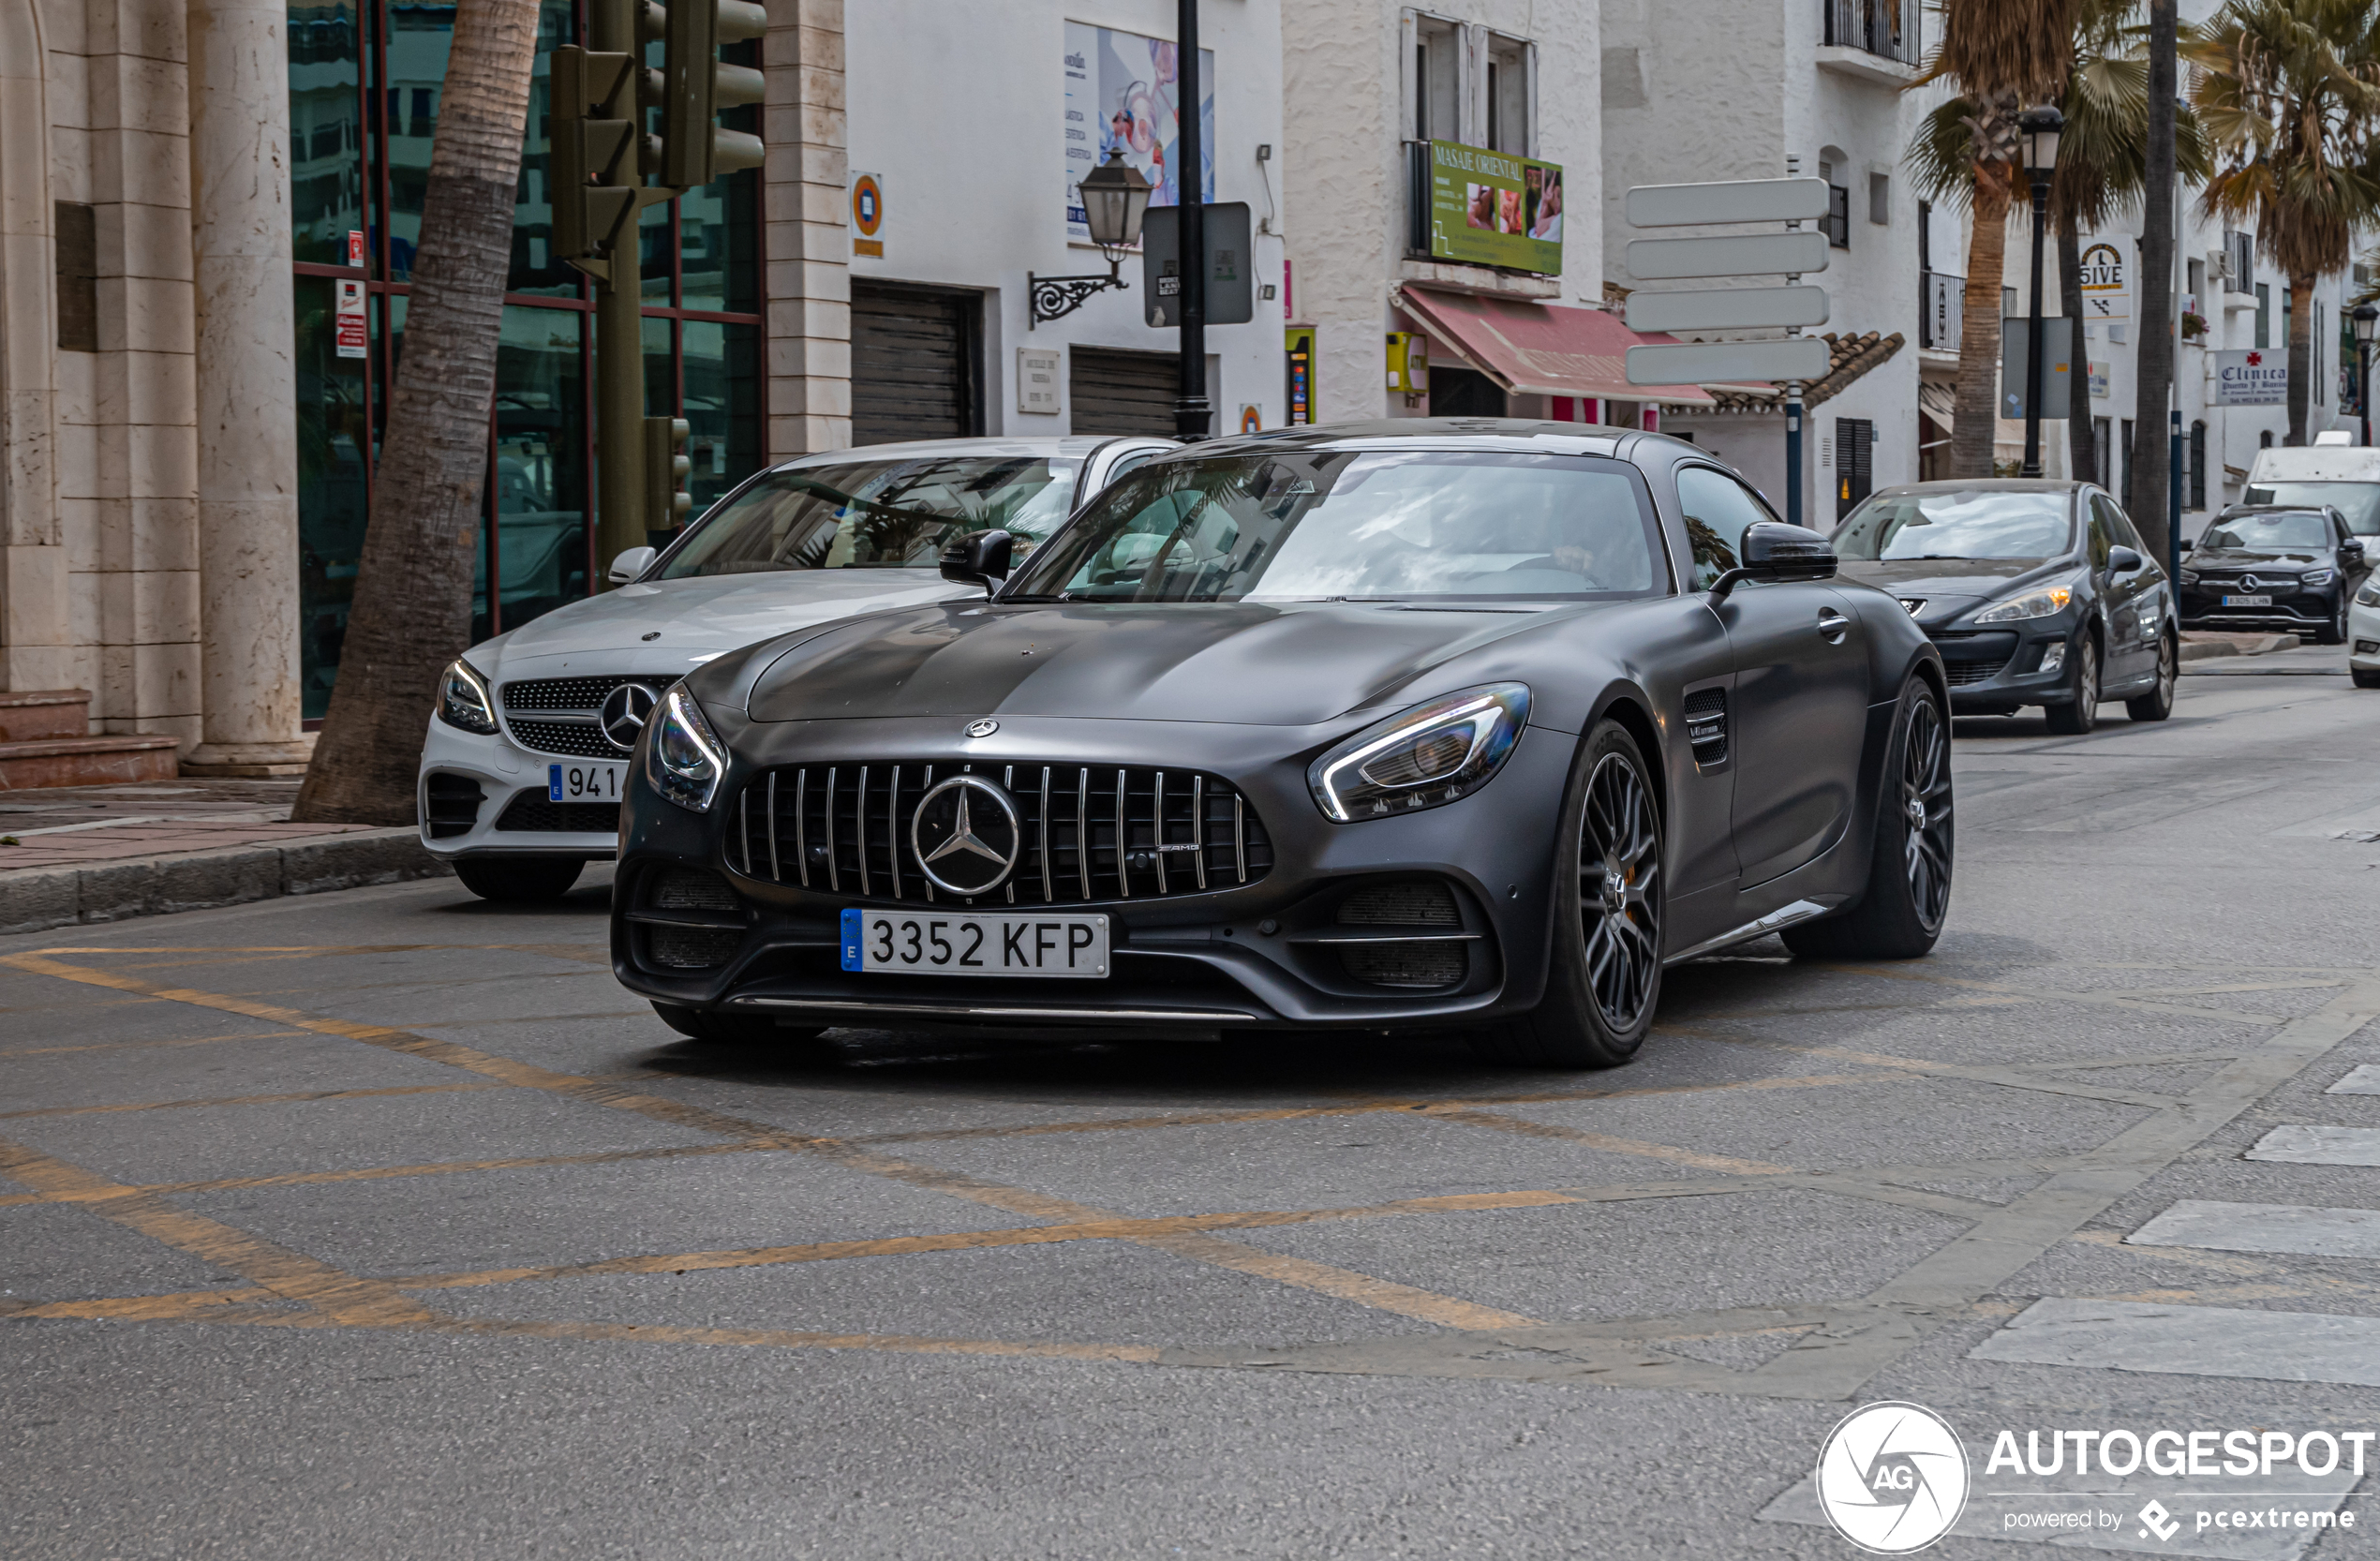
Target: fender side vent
(1706,725)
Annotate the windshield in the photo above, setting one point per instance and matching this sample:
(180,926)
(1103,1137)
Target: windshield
(1965,523)
(1327,525)
(2359,501)
(876,514)
(2298,532)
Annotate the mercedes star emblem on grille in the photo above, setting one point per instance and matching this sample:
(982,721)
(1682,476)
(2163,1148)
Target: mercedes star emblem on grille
(983,728)
(2249,581)
(623,714)
(966,833)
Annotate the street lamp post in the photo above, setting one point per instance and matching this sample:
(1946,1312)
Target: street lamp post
(1191,413)
(2039,127)
(2365,317)
(1115,199)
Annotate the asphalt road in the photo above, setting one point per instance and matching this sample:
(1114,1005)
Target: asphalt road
(384,1225)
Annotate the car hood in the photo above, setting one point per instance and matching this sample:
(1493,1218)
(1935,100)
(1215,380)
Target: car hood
(680,623)
(2241,558)
(1266,664)
(1950,586)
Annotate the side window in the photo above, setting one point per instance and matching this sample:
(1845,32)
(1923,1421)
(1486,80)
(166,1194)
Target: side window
(1132,462)
(2119,527)
(2101,541)
(1716,510)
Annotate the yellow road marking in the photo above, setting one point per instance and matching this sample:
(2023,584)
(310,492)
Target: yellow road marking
(292,1275)
(10,1052)
(1522,1126)
(253,1100)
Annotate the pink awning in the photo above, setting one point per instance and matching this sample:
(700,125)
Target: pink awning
(1543,349)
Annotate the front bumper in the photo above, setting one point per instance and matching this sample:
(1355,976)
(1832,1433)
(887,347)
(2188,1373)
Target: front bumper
(1999,669)
(1269,954)
(2363,636)
(2292,612)
(487,796)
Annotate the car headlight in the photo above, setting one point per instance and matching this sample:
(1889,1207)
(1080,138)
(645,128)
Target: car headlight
(2368,597)
(2317,578)
(462,700)
(2188,576)
(1426,757)
(2046,602)
(684,758)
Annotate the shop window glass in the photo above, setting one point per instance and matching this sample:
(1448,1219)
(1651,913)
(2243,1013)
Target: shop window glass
(326,131)
(540,463)
(331,430)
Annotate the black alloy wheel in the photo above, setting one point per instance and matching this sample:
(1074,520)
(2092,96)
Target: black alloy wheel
(2077,718)
(1603,979)
(2158,703)
(1900,914)
(1619,892)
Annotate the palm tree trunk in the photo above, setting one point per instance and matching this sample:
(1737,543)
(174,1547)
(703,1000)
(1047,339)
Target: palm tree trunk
(412,612)
(1976,409)
(2082,450)
(2301,354)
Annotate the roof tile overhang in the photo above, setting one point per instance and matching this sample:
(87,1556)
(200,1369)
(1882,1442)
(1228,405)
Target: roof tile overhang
(1849,355)
(1533,348)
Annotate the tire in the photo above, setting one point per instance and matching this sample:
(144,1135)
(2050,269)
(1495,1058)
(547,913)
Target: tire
(517,878)
(1603,980)
(1900,912)
(2158,703)
(2335,632)
(734,1033)
(2078,718)
(2365,678)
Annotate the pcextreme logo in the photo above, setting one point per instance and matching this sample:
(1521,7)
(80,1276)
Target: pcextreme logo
(1891,1478)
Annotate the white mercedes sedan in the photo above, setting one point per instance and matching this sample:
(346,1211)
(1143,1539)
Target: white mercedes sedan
(528,742)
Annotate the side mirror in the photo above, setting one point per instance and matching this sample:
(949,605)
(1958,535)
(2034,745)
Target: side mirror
(979,560)
(1774,551)
(2123,561)
(2351,553)
(630,564)
(2187,544)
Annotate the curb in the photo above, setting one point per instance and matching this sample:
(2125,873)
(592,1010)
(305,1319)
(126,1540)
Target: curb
(33,899)
(2201,650)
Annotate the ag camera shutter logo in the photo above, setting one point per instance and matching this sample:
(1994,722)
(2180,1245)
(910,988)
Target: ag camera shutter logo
(1891,1478)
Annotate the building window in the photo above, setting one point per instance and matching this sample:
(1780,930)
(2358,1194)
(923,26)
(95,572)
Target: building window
(1471,85)
(2197,286)
(2198,465)
(1879,200)
(364,77)
(1438,80)
(2101,441)
(2239,261)
(1512,126)
(2127,458)
(2264,314)
(75,231)
(1854,468)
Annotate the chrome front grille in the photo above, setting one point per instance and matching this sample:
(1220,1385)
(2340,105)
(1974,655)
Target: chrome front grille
(1088,833)
(560,715)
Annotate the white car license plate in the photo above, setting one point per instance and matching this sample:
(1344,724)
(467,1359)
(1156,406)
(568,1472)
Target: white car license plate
(583,782)
(2247,601)
(931,943)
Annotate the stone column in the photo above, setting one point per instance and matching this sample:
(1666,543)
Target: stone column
(240,244)
(35,650)
(806,230)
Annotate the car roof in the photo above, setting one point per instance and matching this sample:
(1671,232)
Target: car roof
(1992,484)
(1512,434)
(1072,446)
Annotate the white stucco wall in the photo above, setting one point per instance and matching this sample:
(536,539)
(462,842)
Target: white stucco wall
(959,112)
(1344,77)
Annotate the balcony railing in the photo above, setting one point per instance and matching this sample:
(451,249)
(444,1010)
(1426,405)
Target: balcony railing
(1892,29)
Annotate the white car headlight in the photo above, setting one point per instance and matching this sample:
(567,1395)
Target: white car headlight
(2317,578)
(2188,576)
(462,701)
(2046,602)
(2368,596)
(684,758)
(1426,757)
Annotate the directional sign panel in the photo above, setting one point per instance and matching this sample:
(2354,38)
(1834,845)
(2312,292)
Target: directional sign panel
(1728,201)
(1801,358)
(1727,308)
(1744,255)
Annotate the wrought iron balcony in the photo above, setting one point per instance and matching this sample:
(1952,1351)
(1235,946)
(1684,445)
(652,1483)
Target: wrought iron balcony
(1891,29)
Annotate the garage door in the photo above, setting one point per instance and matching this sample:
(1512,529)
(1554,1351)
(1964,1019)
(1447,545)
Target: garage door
(915,356)
(1122,392)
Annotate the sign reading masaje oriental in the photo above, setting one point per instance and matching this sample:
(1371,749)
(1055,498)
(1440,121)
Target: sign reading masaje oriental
(1491,208)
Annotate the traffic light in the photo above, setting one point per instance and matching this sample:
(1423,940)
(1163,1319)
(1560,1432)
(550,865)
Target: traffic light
(667,468)
(695,85)
(594,180)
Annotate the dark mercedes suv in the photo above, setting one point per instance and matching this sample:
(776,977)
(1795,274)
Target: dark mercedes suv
(2269,566)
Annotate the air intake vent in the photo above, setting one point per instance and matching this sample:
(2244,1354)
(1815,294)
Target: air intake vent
(1085,834)
(1706,725)
(690,947)
(453,805)
(1421,904)
(686,889)
(1434,963)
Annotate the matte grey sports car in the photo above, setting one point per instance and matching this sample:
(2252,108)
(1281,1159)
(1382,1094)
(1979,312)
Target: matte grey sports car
(1468,724)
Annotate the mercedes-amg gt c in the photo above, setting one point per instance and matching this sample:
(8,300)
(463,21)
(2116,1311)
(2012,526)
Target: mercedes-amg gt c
(1453,724)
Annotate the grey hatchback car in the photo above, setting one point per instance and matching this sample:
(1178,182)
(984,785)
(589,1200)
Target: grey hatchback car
(2036,592)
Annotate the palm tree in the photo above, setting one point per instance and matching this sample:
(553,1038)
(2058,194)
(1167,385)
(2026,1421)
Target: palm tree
(2003,54)
(412,611)
(2289,91)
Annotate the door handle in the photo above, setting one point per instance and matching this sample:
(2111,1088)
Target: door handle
(1832,625)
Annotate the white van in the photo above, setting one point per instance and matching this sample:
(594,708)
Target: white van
(2345,476)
